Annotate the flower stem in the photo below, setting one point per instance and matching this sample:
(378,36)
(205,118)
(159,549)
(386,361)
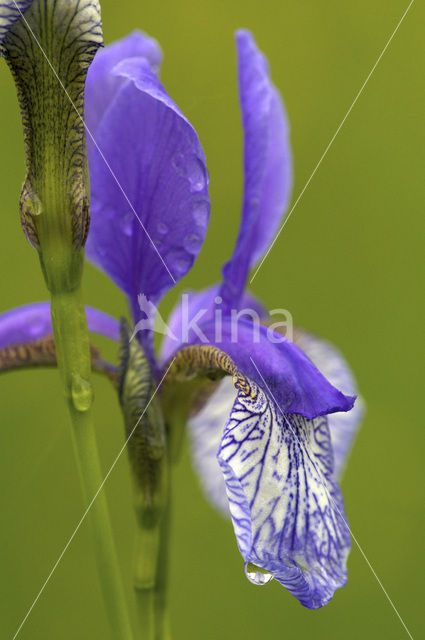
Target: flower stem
(73,353)
(163,631)
(151,578)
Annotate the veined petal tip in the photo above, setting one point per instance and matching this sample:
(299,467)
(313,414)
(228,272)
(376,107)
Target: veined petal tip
(10,12)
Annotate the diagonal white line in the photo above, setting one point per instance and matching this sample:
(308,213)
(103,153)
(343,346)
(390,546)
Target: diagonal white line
(74,533)
(331,499)
(96,145)
(331,141)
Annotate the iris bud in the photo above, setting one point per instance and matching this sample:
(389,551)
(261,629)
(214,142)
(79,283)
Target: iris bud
(49,47)
(145,430)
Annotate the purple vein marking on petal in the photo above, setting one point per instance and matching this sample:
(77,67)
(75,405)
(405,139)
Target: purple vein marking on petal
(10,12)
(355,539)
(279,509)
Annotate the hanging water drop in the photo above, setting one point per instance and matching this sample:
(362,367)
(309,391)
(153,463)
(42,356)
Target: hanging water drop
(256,575)
(82,393)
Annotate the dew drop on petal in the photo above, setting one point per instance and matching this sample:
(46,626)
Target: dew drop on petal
(179,261)
(201,212)
(196,174)
(256,575)
(192,243)
(162,228)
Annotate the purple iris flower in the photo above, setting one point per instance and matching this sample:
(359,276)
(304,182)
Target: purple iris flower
(272,438)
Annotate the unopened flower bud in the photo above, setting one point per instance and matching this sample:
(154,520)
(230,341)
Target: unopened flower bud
(49,45)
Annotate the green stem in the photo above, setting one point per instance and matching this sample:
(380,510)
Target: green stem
(145,608)
(73,353)
(162,628)
(151,579)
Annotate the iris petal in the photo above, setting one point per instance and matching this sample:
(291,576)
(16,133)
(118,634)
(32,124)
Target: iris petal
(33,322)
(267,165)
(295,382)
(287,510)
(342,426)
(206,431)
(147,239)
(102,85)
(10,12)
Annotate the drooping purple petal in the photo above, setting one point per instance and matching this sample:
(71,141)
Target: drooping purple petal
(10,12)
(342,426)
(102,85)
(33,322)
(198,308)
(267,165)
(147,239)
(261,354)
(287,510)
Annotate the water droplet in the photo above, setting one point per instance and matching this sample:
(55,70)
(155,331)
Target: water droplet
(196,174)
(256,575)
(201,213)
(82,393)
(127,224)
(192,168)
(32,204)
(162,228)
(180,262)
(192,243)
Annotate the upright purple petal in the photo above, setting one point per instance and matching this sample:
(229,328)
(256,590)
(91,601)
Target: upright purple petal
(150,203)
(33,322)
(102,85)
(10,12)
(287,510)
(342,426)
(267,165)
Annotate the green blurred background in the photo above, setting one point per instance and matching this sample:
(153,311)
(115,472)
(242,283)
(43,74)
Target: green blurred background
(349,265)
